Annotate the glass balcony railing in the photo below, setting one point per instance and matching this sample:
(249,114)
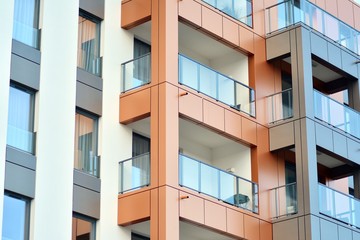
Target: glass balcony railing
(90,62)
(239,9)
(136,72)
(216,85)
(90,165)
(287,13)
(339,206)
(26,34)
(217,183)
(280,106)
(336,114)
(134,173)
(283,200)
(21,139)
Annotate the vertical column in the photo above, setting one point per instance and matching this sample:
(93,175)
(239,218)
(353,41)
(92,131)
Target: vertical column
(6,26)
(115,139)
(357,184)
(52,210)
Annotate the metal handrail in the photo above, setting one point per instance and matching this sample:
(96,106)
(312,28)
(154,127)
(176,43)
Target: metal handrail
(286,90)
(137,58)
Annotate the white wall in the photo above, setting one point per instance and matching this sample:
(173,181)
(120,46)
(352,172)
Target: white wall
(6,25)
(195,150)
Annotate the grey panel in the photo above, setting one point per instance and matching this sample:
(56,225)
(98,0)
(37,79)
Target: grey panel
(86,202)
(25,72)
(340,146)
(278,45)
(95,7)
(317,46)
(88,98)
(26,51)
(348,63)
(19,179)
(20,158)
(312,226)
(356,236)
(328,230)
(87,181)
(324,137)
(353,150)
(286,230)
(89,79)
(334,55)
(344,233)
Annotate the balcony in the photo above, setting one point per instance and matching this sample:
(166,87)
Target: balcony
(339,206)
(280,106)
(26,34)
(283,201)
(136,72)
(90,62)
(21,139)
(218,183)
(216,85)
(285,14)
(238,9)
(336,114)
(89,165)
(134,173)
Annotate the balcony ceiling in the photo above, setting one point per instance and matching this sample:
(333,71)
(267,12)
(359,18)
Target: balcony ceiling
(328,161)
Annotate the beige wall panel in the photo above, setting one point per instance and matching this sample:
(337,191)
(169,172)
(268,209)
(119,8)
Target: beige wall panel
(278,45)
(230,31)
(135,12)
(252,227)
(191,11)
(345,12)
(215,216)
(248,129)
(135,106)
(190,105)
(286,230)
(235,222)
(213,115)
(233,124)
(139,205)
(246,39)
(192,208)
(282,136)
(331,7)
(357,16)
(211,21)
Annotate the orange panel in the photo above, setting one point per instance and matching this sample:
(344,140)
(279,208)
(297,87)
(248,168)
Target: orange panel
(168,223)
(190,105)
(154,133)
(191,208)
(155,41)
(215,216)
(154,217)
(191,11)
(252,228)
(134,208)
(135,106)
(211,21)
(230,31)
(248,131)
(246,39)
(265,231)
(135,12)
(357,17)
(320,3)
(345,12)
(258,17)
(233,124)
(331,7)
(213,115)
(235,222)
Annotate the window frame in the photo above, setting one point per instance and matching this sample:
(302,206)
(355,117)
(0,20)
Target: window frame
(85,218)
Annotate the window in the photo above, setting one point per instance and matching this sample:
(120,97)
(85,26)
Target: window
(26,22)
(135,236)
(20,131)
(86,158)
(141,160)
(15,225)
(142,64)
(89,44)
(83,228)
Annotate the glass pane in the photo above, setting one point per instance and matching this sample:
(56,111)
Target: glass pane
(189,172)
(188,72)
(136,73)
(228,188)
(326,201)
(14,219)
(82,229)
(226,90)
(208,82)
(245,197)
(20,120)
(209,180)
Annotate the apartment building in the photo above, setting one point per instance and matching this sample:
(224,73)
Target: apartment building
(180,119)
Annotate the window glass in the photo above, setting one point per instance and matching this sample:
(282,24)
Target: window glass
(20,119)
(89,44)
(26,21)
(86,158)
(83,228)
(15,218)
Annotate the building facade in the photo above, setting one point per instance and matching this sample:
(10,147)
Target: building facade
(189,119)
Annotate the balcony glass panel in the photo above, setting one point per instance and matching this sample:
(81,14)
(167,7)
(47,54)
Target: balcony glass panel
(217,183)
(283,200)
(134,173)
(280,106)
(339,206)
(238,9)
(288,13)
(216,85)
(336,114)
(136,72)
